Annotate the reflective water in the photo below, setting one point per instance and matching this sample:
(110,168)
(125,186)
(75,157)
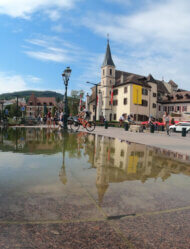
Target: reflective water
(52,175)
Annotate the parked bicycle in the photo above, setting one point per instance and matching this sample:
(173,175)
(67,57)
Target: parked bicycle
(76,122)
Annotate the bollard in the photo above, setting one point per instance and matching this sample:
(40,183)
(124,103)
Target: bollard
(152,128)
(184,132)
(106,124)
(126,126)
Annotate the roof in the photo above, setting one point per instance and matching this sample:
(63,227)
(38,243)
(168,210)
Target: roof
(108,58)
(172,83)
(35,100)
(139,79)
(177,97)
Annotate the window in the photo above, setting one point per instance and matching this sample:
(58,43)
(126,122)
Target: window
(115,102)
(121,164)
(154,94)
(153,105)
(30,103)
(144,91)
(103,72)
(184,108)
(144,102)
(50,103)
(110,82)
(165,108)
(125,101)
(125,89)
(110,71)
(115,92)
(122,153)
(159,108)
(114,117)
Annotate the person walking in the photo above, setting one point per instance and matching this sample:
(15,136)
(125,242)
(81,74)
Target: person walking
(121,120)
(166,120)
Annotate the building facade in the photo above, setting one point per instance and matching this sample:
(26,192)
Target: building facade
(122,92)
(39,105)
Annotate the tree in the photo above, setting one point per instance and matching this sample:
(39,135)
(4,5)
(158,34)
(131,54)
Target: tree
(77,94)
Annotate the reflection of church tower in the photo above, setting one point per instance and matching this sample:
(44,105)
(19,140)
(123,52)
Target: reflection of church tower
(107,81)
(102,180)
(62,173)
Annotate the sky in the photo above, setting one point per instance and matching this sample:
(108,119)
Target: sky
(40,38)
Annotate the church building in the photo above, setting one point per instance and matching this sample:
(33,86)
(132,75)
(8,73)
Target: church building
(121,92)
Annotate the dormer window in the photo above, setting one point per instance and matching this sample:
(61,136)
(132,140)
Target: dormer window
(110,71)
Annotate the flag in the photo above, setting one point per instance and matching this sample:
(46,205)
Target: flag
(137,94)
(80,103)
(112,95)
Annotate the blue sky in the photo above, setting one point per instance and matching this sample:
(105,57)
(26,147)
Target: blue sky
(39,38)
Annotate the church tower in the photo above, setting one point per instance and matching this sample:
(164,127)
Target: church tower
(107,81)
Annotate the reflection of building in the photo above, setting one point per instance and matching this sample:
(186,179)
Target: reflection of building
(118,161)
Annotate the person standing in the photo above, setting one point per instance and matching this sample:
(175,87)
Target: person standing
(166,120)
(121,120)
(49,118)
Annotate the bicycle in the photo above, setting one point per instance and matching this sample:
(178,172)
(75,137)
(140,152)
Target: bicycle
(77,121)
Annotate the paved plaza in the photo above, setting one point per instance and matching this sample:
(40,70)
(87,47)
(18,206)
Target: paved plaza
(69,191)
(175,142)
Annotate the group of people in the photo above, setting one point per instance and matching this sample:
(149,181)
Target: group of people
(166,121)
(58,117)
(124,117)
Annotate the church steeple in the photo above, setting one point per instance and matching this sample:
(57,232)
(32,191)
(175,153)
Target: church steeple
(108,58)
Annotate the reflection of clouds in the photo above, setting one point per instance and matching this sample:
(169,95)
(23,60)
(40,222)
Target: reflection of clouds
(11,160)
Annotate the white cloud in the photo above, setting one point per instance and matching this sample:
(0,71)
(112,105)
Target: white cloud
(10,82)
(53,49)
(57,28)
(24,8)
(154,39)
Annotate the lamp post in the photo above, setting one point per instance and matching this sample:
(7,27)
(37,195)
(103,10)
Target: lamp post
(96,85)
(66,75)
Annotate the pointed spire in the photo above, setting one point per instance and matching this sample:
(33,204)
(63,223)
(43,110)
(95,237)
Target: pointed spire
(108,58)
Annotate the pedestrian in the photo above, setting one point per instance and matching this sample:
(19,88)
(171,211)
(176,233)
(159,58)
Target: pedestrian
(49,118)
(121,120)
(166,120)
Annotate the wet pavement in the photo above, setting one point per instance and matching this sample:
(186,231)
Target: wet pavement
(79,190)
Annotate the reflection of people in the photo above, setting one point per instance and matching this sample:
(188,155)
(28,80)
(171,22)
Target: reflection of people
(166,120)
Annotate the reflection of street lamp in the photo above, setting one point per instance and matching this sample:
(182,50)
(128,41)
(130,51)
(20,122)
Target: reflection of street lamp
(96,85)
(66,74)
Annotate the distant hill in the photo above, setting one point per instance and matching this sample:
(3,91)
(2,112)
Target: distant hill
(26,94)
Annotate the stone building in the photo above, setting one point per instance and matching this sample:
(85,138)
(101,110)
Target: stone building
(39,105)
(122,92)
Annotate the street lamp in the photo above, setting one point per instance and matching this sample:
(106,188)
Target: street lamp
(66,75)
(96,85)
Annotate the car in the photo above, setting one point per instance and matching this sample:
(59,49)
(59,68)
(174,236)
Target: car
(178,127)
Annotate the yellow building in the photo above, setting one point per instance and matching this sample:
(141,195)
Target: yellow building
(122,92)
